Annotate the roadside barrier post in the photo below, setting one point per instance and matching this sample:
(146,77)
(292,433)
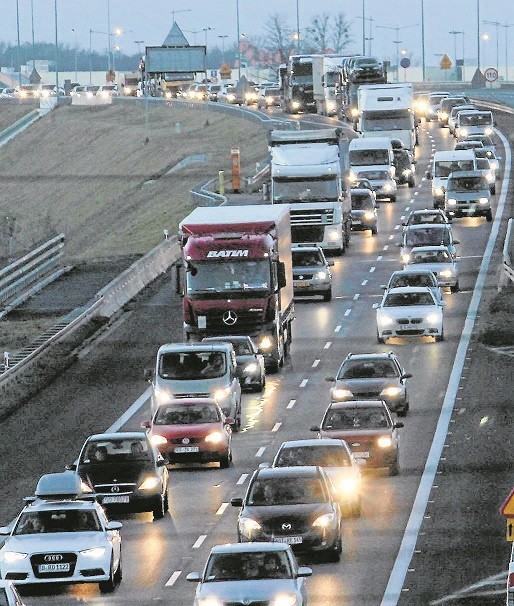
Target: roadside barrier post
(221,182)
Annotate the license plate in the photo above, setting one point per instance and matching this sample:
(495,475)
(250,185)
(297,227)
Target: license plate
(42,568)
(301,284)
(119,498)
(288,540)
(182,449)
(356,222)
(361,455)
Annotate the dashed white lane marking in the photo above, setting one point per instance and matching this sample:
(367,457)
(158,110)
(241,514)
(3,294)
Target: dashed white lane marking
(276,427)
(327,345)
(417,192)
(291,404)
(171,581)
(391,237)
(315,363)
(199,541)
(379,258)
(408,207)
(375,305)
(372,269)
(347,312)
(304,382)
(423,178)
(386,247)
(221,509)
(356,296)
(364,282)
(397,227)
(402,217)
(242,479)
(260,452)
(337,328)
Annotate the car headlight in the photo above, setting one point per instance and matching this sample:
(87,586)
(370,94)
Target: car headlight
(94,552)
(266,343)
(490,177)
(105,94)
(348,485)
(392,391)
(354,112)
(488,131)
(405,257)
(438,191)
(446,273)
(248,525)
(158,440)
(168,95)
(451,202)
(210,601)
(463,132)
(433,318)
(162,396)
(443,115)
(221,394)
(352,176)
(89,94)
(296,104)
(13,556)
(269,99)
(85,487)
(483,201)
(321,275)
(150,483)
(284,599)
(387,187)
(252,367)
(494,164)
(215,437)
(385,320)
(341,394)
(231,97)
(323,521)
(406,172)
(126,90)
(369,215)
(385,442)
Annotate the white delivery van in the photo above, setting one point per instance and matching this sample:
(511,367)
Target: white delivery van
(370,153)
(444,163)
(474,122)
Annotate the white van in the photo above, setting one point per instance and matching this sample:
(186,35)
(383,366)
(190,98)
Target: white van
(370,153)
(444,163)
(474,122)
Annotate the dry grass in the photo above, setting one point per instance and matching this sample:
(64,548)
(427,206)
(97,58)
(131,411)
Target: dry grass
(499,324)
(11,111)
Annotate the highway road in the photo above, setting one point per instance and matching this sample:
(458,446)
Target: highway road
(107,379)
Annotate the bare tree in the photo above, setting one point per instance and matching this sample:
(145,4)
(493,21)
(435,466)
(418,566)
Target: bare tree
(340,33)
(278,37)
(316,39)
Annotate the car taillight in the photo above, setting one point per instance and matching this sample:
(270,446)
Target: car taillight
(510,581)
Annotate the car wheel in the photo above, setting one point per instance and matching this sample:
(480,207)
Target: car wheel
(166,500)
(394,468)
(455,287)
(440,337)
(110,585)
(493,190)
(262,384)
(118,576)
(334,554)
(402,412)
(327,296)
(489,216)
(392,198)
(380,339)
(374,231)
(159,510)
(225,461)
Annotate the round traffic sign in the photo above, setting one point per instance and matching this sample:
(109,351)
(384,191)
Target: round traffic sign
(405,62)
(491,74)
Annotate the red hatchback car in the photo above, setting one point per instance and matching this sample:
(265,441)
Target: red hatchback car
(369,430)
(192,430)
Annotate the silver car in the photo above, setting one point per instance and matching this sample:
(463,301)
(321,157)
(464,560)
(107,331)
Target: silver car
(467,193)
(438,260)
(412,276)
(251,573)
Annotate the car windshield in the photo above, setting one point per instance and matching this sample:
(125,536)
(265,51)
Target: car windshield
(464,184)
(4,601)
(190,414)
(306,258)
(107,451)
(271,92)
(443,168)
(325,456)
(429,236)
(192,365)
(436,99)
(430,217)
(362,202)
(355,418)
(375,175)
(57,520)
(403,280)
(368,157)
(247,566)
(204,277)
(299,190)
(430,256)
(406,299)
(286,491)
(367,369)
(476,119)
(483,164)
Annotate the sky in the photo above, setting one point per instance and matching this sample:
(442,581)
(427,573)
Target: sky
(150,21)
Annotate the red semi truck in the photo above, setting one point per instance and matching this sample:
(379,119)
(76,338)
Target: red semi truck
(235,276)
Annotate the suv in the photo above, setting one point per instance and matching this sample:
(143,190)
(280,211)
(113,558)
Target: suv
(467,193)
(311,272)
(372,376)
(197,370)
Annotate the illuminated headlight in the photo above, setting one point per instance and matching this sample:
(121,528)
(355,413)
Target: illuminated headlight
(284,599)
(490,177)
(149,483)
(127,90)
(488,131)
(331,105)
(321,275)
(161,395)
(215,437)
(385,320)
(23,94)
(221,394)
(341,394)
(451,202)
(352,176)
(406,172)
(323,521)
(89,94)
(438,191)
(85,487)
(387,187)
(168,95)
(105,94)
(433,318)
(13,556)
(45,93)
(463,132)
(385,442)
(369,215)
(405,257)
(483,201)
(94,552)
(158,440)
(210,601)
(252,367)
(248,525)
(354,112)
(391,392)
(348,485)
(249,96)
(296,104)
(443,116)
(231,97)
(269,100)
(446,273)
(495,165)
(266,343)
(334,234)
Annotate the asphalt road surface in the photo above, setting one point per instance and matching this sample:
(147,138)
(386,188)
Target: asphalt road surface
(48,432)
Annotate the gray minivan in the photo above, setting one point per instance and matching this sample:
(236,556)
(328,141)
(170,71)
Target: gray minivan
(197,370)
(467,193)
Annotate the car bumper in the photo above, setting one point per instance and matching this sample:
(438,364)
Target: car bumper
(136,503)
(363,224)
(206,453)
(248,380)
(307,287)
(375,458)
(469,210)
(411,330)
(312,540)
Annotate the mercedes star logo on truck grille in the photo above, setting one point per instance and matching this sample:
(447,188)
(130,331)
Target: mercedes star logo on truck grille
(229,317)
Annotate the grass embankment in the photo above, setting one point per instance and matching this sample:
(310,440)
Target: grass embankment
(498,327)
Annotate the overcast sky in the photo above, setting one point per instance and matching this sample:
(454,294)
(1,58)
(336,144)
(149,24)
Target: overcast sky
(150,20)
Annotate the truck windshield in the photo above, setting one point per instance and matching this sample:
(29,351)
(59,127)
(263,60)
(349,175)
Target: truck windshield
(244,275)
(305,190)
(369,157)
(390,120)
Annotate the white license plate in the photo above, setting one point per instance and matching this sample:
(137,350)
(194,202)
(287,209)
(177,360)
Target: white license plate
(288,540)
(361,455)
(119,498)
(356,222)
(301,284)
(42,568)
(182,449)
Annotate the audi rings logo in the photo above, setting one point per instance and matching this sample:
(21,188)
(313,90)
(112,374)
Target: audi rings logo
(229,317)
(286,526)
(54,557)
(115,488)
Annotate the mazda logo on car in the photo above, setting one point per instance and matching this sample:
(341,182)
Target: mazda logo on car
(54,557)
(286,526)
(229,317)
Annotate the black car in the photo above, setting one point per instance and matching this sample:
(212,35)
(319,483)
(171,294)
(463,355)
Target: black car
(404,169)
(364,210)
(126,472)
(250,363)
(294,505)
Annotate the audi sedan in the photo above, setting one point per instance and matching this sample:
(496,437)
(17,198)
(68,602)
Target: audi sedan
(251,573)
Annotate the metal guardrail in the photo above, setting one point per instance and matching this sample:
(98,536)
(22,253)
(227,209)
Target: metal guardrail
(11,131)
(507,270)
(20,274)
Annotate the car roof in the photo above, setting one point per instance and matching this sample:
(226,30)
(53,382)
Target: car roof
(310,442)
(415,271)
(46,505)
(305,249)
(466,173)
(361,191)
(374,356)
(355,404)
(404,290)
(195,347)
(250,547)
(301,471)
(124,435)
(226,338)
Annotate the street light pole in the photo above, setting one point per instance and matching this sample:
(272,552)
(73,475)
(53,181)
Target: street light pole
(238,46)
(223,48)
(139,42)
(18,29)
(506,27)
(363,27)
(207,29)
(297,27)
(33,43)
(397,29)
(109,35)
(90,57)
(76,48)
(478,35)
(56,53)
(496,24)
(423,39)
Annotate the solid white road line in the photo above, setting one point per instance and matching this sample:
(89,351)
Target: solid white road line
(171,581)
(403,559)
(130,412)
(199,541)
(221,509)
(242,479)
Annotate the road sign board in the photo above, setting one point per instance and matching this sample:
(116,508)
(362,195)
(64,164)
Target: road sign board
(507,508)
(491,74)
(510,529)
(405,62)
(445,62)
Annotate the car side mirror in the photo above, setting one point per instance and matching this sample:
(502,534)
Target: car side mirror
(429,175)
(314,428)
(229,421)
(148,374)
(113,525)
(404,224)
(456,241)
(406,375)
(398,425)
(145,424)
(236,502)
(304,571)
(71,467)
(383,286)
(161,462)
(193,577)
(330,379)
(331,263)
(4,531)
(264,465)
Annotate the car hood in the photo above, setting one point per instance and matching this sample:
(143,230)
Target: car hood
(434,267)
(468,195)
(106,474)
(350,435)
(197,430)
(358,385)
(259,590)
(409,311)
(55,542)
(264,514)
(179,387)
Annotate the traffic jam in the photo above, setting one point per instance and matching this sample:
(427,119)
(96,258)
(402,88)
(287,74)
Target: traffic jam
(246,274)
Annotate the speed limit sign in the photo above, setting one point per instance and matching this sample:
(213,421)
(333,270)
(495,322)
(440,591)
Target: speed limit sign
(491,74)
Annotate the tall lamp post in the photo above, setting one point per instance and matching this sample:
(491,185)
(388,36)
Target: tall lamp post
(397,29)
(139,42)
(222,38)
(33,43)
(506,27)
(56,52)
(455,33)
(18,30)
(91,32)
(205,30)
(363,27)
(478,35)
(423,63)
(497,24)
(76,50)
(238,41)
(194,32)
(297,27)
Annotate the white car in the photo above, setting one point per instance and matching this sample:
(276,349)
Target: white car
(452,119)
(414,276)
(439,261)
(108,90)
(9,596)
(62,536)
(409,312)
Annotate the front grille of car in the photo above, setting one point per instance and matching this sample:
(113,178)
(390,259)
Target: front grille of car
(121,488)
(366,395)
(248,603)
(298,526)
(180,440)
(411,320)
(410,332)
(191,395)
(53,558)
(303,277)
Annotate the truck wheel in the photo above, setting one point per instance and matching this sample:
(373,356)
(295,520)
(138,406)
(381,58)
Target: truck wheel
(374,231)
(380,339)
(327,296)
(392,198)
